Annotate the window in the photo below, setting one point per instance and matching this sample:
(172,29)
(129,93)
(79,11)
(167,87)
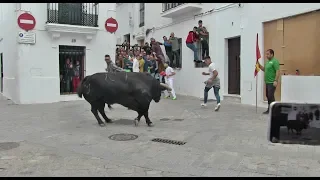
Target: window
(168,6)
(141,15)
(200,52)
(83,14)
(203,50)
(71,67)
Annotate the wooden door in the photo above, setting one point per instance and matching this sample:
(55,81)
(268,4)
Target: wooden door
(301,39)
(234,66)
(273,39)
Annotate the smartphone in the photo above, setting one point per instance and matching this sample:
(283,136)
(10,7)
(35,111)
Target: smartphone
(294,123)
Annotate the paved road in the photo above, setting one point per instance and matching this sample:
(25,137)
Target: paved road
(63,139)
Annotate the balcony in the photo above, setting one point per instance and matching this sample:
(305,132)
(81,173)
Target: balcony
(72,17)
(172,10)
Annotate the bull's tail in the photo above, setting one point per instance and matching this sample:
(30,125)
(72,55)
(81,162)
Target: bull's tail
(80,87)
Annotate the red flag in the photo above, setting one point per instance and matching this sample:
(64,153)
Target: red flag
(258,56)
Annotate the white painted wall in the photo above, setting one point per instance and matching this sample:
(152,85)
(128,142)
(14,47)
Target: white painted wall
(306,92)
(32,71)
(227,21)
(9,50)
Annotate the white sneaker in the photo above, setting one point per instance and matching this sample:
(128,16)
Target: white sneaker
(203,104)
(217,107)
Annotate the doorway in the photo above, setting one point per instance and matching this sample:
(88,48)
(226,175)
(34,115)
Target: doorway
(71,68)
(234,66)
(141,42)
(1,70)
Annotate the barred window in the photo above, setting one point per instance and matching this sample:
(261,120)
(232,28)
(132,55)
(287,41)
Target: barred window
(83,14)
(202,52)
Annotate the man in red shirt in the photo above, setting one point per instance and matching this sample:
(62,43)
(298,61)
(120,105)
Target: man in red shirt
(191,39)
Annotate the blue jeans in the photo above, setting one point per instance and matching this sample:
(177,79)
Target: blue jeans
(216,93)
(194,49)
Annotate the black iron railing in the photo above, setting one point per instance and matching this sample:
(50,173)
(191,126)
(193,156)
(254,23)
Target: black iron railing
(81,14)
(168,6)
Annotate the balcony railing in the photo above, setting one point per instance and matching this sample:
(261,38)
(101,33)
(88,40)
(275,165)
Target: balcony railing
(81,14)
(168,6)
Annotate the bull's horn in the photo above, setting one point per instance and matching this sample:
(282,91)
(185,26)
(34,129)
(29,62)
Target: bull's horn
(165,86)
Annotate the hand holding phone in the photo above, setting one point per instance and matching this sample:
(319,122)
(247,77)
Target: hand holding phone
(294,123)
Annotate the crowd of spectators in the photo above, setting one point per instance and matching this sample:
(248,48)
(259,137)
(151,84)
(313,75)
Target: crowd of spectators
(150,58)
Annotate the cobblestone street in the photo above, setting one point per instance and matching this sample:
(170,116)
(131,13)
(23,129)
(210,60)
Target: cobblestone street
(64,139)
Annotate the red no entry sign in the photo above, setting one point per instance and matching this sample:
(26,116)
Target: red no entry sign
(26,21)
(111,25)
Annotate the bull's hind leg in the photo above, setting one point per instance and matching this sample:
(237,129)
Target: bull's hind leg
(94,111)
(101,111)
(137,119)
(146,116)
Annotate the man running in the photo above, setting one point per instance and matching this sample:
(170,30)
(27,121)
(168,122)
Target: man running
(169,80)
(212,82)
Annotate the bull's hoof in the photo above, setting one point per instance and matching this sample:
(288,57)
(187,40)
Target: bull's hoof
(136,122)
(110,121)
(150,124)
(102,125)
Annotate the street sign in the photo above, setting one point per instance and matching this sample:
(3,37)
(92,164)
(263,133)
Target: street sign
(26,21)
(111,25)
(27,38)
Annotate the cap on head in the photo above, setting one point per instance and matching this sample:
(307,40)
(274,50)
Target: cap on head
(165,65)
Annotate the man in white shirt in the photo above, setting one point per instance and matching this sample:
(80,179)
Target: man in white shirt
(135,65)
(212,82)
(169,80)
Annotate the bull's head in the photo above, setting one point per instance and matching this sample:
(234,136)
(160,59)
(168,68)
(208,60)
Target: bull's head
(162,87)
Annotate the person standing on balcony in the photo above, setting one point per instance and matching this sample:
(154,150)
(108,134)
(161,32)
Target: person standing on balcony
(191,39)
(168,48)
(204,39)
(157,49)
(175,50)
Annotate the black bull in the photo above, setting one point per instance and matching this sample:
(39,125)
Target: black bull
(132,90)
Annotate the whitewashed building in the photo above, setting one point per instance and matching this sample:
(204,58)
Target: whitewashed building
(232,40)
(32,71)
